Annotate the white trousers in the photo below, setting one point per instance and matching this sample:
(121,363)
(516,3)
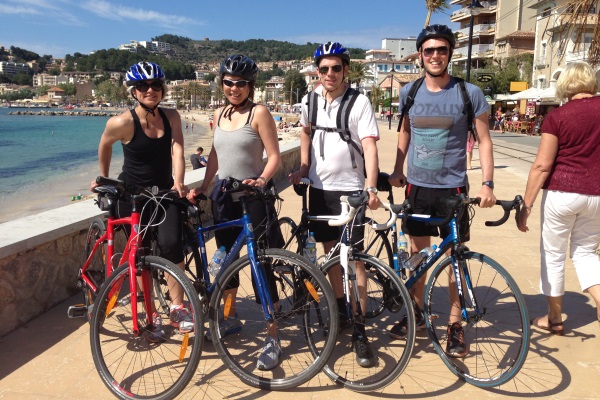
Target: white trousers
(569,216)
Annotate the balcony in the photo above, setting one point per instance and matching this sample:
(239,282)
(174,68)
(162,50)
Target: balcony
(540,62)
(489,7)
(564,20)
(580,55)
(478,30)
(477,51)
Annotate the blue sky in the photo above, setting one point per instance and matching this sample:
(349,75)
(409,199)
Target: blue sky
(60,27)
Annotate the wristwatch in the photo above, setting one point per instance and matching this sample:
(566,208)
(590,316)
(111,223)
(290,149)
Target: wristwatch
(489,184)
(372,190)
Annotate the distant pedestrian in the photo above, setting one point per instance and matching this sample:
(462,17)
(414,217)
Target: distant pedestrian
(197,159)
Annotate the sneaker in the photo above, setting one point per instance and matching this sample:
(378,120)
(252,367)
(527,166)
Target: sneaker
(180,318)
(157,334)
(270,355)
(399,330)
(364,355)
(455,345)
(228,326)
(345,323)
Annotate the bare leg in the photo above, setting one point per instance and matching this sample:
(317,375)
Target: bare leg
(594,291)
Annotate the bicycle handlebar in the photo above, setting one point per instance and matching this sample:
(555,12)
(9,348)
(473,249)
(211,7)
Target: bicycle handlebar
(349,206)
(454,203)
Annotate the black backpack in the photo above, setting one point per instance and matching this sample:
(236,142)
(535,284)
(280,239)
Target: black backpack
(342,121)
(410,100)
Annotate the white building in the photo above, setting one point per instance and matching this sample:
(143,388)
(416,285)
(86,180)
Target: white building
(12,68)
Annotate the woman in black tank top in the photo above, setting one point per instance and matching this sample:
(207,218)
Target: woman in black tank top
(152,141)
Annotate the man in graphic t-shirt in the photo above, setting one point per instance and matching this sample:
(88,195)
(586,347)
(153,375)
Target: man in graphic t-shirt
(433,142)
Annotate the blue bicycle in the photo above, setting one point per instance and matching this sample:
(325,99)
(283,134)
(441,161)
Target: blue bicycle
(270,290)
(490,308)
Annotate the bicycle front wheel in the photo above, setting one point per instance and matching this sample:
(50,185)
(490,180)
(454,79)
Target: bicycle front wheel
(306,321)
(495,325)
(392,355)
(151,363)
(289,229)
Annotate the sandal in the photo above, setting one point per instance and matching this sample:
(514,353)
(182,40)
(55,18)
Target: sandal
(550,328)
(399,330)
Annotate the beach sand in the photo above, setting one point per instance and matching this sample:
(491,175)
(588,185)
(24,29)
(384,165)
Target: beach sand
(58,193)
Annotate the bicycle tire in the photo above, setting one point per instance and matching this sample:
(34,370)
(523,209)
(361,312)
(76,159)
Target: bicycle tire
(393,355)
(305,348)
(289,230)
(500,336)
(96,270)
(129,364)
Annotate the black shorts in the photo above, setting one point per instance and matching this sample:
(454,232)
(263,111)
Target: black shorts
(428,201)
(327,202)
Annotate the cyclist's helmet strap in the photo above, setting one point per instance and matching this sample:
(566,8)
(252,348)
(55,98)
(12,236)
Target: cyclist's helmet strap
(332,49)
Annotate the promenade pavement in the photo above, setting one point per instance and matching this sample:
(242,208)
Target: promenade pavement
(50,357)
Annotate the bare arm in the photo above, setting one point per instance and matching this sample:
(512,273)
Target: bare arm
(117,129)
(397,178)
(486,158)
(537,175)
(264,124)
(305,144)
(369,145)
(178,159)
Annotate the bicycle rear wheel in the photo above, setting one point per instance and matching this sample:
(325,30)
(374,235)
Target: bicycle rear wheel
(392,355)
(96,270)
(496,331)
(289,229)
(306,322)
(130,364)
(377,244)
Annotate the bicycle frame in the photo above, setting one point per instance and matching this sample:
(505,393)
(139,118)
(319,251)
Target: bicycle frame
(247,237)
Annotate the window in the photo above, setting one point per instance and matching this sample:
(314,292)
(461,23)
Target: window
(546,12)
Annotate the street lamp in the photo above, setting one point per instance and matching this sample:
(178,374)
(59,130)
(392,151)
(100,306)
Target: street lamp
(474,9)
(391,94)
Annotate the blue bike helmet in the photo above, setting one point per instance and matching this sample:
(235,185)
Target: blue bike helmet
(143,71)
(332,49)
(239,65)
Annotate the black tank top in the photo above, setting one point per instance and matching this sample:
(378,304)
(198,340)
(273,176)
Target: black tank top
(147,161)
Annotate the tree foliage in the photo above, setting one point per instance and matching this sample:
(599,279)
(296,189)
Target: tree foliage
(294,86)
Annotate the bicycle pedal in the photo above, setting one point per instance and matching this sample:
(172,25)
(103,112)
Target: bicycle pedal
(77,311)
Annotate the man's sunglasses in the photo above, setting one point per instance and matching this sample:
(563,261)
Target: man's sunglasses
(230,83)
(336,68)
(442,51)
(143,86)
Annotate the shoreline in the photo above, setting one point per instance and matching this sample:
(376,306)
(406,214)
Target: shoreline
(58,192)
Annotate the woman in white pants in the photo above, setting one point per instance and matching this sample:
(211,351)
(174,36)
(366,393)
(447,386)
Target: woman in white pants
(567,167)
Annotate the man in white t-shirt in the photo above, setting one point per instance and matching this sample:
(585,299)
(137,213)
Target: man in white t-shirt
(337,166)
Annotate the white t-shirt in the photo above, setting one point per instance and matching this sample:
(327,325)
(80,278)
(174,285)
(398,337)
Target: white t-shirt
(332,168)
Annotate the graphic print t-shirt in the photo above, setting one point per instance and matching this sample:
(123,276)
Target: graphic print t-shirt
(439,131)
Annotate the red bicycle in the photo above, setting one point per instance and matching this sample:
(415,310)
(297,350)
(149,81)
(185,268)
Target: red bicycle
(136,354)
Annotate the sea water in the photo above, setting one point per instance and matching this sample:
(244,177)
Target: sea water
(46,160)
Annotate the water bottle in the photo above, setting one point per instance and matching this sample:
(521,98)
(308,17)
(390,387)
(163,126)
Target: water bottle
(402,249)
(416,259)
(217,261)
(310,248)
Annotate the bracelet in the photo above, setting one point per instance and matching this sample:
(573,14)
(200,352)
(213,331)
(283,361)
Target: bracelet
(262,178)
(526,206)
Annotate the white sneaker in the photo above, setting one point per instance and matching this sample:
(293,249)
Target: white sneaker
(228,326)
(180,318)
(157,334)
(270,355)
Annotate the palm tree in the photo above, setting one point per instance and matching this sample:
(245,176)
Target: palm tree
(435,6)
(357,73)
(573,17)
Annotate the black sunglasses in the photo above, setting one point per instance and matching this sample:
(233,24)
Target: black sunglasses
(143,86)
(336,68)
(230,83)
(442,51)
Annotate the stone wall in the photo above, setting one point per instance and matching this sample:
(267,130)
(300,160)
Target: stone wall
(40,256)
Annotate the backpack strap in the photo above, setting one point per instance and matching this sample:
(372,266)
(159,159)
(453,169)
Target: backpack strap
(311,104)
(410,100)
(343,122)
(468,106)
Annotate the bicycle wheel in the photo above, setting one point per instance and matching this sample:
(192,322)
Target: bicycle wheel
(288,230)
(130,364)
(496,331)
(378,245)
(307,327)
(392,355)
(97,268)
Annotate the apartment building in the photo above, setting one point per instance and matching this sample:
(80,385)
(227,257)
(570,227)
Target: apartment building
(501,29)
(49,80)
(11,68)
(557,28)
